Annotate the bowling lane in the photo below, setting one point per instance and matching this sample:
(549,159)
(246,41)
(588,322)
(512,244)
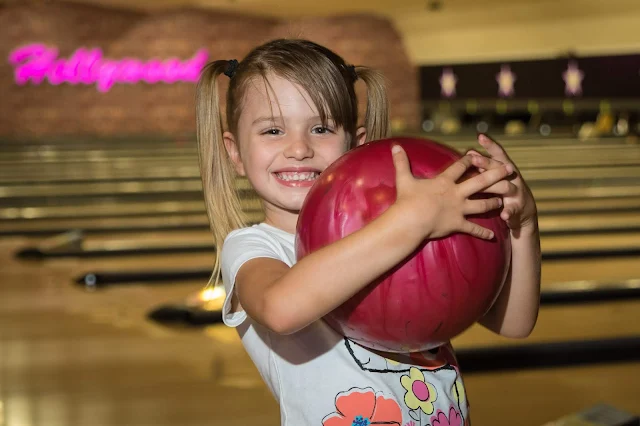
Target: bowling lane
(603,317)
(590,242)
(48,156)
(115,240)
(562,178)
(113,225)
(147,239)
(110,209)
(109,224)
(555,246)
(549,223)
(566,323)
(136,263)
(109,173)
(589,221)
(64,373)
(569,206)
(78,369)
(607,269)
(535,397)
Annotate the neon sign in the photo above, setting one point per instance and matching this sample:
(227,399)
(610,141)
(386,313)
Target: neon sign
(37,62)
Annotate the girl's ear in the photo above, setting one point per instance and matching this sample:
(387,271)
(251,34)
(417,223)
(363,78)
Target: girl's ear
(234,152)
(361,136)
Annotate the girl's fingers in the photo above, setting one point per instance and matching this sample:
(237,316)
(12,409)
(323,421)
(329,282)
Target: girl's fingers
(476,230)
(483,181)
(494,149)
(507,213)
(486,163)
(482,206)
(504,188)
(457,169)
(401,163)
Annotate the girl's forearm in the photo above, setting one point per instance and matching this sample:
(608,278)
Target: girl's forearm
(515,312)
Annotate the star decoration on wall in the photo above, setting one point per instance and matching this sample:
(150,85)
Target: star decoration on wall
(573,77)
(448,81)
(506,80)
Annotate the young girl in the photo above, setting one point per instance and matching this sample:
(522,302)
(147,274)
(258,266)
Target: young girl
(291,111)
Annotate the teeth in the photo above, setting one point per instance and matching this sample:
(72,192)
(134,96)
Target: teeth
(294,176)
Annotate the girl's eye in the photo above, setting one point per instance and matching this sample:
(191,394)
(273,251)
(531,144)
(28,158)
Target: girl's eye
(272,132)
(322,130)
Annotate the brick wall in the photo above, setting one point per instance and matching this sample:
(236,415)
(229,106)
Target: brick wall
(167,109)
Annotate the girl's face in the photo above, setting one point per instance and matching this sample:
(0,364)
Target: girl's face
(281,146)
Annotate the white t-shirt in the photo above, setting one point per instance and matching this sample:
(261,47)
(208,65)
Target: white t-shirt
(321,378)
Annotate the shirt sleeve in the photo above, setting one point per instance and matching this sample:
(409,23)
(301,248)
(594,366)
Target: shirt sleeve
(239,247)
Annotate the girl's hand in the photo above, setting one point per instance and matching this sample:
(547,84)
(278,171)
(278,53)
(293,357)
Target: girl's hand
(437,207)
(519,209)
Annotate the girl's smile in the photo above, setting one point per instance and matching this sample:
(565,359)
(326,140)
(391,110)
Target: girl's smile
(297,176)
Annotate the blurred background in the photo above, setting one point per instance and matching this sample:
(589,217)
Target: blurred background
(104,242)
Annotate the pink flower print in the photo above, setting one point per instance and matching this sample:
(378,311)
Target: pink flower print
(440,419)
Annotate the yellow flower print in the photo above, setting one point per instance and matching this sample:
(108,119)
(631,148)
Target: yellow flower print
(392,362)
(420,394)
(458,391)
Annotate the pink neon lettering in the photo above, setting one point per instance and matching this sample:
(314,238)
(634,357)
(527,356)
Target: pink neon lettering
(131,71)
(35,62)
(71,74)
(35,69)
(55,74)
(88,69)
(106,78)
(192,68)
(172,70)
(153,71)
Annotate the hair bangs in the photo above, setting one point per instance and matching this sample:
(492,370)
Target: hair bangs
(325,87)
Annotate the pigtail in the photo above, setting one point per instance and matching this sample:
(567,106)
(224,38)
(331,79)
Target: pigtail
(376,118)
(218,176)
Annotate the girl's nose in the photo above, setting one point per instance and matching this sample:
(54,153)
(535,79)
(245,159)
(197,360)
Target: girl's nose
(299,149)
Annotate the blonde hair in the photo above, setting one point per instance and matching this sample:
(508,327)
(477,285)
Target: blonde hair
(327,79)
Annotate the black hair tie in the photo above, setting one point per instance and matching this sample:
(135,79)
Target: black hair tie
(232,66)
(352,71)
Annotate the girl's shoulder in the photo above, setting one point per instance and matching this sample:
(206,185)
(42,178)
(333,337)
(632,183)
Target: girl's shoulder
(260,240)
(260,230)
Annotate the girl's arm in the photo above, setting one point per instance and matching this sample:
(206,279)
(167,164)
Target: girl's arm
(286,300)
(515,312)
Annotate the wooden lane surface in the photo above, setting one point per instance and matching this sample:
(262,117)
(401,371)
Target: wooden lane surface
(87,168)
(204,259)
(70,357)
(559,222)
(537,178)
(535,397)
(554,225)
(169,208)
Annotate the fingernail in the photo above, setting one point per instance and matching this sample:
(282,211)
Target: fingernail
(500,202)
(509,168)
(491,235)
(396,149)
